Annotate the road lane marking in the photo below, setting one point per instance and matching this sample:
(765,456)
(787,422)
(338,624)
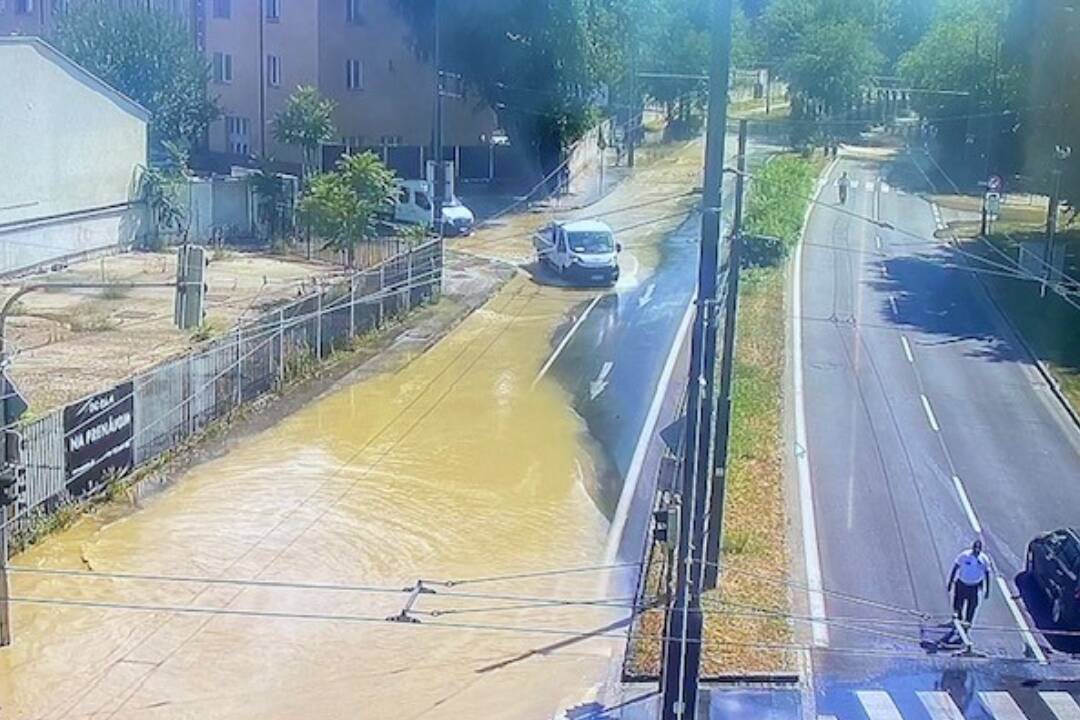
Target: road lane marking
(884,271)
(647,296)
(1025,629)
(930,414)
(1002,706)
(939,705)
(878,705)
(869,185)
(566,340)
(885,187)
(892,304)
(600,384)
(811,550)
(633,474)
(1061,704)
(877,241)
(966,502)
(907,349)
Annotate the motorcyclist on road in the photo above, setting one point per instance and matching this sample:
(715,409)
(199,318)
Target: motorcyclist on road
(843,185)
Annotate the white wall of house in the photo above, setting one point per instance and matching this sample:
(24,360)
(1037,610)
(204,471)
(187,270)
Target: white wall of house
(71,151)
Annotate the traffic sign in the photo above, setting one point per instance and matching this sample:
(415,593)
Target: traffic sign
(993,183)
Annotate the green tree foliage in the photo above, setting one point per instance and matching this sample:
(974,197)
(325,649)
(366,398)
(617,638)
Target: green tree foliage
(343,207)
(147,55)
(538,63)
(825,49)
(306,122)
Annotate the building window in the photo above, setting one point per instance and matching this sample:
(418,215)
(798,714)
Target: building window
(352,12)
(222,67)
(273,10)
(390,140)
(273,70)
(24,7)
(354,74)
(238,131)
(223,9)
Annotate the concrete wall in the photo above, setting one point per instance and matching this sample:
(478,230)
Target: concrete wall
(30,244)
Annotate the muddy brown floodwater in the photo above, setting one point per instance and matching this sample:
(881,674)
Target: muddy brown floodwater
(452,467)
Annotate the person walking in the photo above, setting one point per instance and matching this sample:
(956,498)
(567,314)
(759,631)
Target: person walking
(973,571)
(842,185)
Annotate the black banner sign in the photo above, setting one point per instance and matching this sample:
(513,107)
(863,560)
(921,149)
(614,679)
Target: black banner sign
(98,438)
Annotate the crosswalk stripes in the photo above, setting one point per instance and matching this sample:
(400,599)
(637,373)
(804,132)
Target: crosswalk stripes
(1062,705)
(1002,706)
(885,188)
(939,705)
(869,186)
(878,705)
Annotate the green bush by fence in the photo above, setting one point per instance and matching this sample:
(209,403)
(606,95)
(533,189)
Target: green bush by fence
(776,204)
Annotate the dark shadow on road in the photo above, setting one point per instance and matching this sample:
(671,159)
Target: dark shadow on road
(1038,607)
(556,646)
(933,294)
(598,711)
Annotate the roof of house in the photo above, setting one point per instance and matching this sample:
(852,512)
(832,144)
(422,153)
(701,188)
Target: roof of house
(78,72)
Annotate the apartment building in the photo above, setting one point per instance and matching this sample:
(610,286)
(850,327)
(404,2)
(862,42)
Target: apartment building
(357,52)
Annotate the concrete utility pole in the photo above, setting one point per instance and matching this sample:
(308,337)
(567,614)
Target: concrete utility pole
(718,471)
(633,114)
(1061,154)
(683,628)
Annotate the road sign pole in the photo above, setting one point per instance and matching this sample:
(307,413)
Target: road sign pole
(683,626)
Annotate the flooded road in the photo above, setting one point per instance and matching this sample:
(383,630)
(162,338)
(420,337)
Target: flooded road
(454,467)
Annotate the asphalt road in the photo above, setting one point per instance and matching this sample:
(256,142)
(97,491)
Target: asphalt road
(926,423)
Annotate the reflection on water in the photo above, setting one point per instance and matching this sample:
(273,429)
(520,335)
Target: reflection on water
(450,468)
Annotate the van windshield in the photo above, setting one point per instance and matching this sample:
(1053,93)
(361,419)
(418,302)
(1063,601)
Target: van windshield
(591,242)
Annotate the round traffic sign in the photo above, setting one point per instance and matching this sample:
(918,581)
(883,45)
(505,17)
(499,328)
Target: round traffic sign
(993,184)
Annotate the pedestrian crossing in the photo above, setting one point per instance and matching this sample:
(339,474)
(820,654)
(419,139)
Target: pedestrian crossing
(940,705)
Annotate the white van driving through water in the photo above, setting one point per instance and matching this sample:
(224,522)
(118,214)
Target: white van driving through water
(584,251)
(415,205)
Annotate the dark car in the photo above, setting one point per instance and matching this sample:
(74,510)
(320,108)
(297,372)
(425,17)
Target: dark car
(1053,562)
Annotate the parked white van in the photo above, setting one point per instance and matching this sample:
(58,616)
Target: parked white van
(415,205)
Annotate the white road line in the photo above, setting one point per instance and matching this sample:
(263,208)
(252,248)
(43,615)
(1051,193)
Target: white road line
(968,509)
(633,474)
(877,241)
(647,296)
(1002,706)
(930,414)
(826,717)
(1018,617)
(885,187)
(884,271)
(869,184)
(811,551)
(907,349)
(940,705)
(878,705)
(566,340)
(1061,704)
(892,304)
(600,384)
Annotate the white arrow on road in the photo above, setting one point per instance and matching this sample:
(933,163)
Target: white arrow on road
(646,298)
(600,384)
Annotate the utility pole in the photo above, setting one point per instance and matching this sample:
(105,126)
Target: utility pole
(633,114)
(1061,154)
(683,627)
(438,196)
(718,471)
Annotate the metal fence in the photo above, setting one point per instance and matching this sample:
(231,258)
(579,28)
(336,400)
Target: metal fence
(75,451)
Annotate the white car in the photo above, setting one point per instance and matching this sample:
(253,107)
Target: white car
(415,206)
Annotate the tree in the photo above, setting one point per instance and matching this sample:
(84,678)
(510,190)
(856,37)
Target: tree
(147,55)
(539,63)
(306,122)
(343,207)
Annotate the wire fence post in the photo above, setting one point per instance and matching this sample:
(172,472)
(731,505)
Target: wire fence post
(281,347)
(382,295)
(352,306)
(5,606)
(239,369)
(408,282)
(318,325)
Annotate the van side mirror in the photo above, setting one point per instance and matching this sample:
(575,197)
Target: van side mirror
(618,247)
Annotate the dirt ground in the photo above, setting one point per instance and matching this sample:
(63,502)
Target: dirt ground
(69,343)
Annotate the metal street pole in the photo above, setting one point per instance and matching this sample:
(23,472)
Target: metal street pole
(1051,231)
(5,589)
(718,470)
(633,116)
(683,628)
(438,197)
